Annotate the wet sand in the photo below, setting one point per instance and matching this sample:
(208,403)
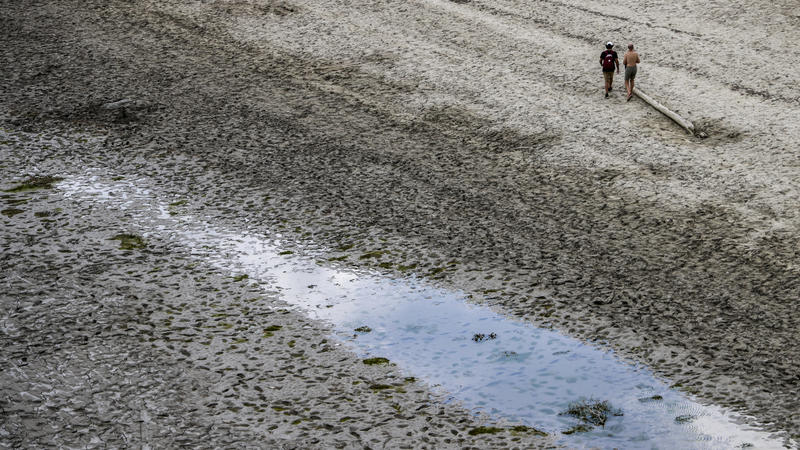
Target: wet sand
(435,138)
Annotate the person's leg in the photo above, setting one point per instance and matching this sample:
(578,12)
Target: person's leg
(630,75)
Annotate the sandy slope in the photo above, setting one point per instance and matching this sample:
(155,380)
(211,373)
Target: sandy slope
(473,136)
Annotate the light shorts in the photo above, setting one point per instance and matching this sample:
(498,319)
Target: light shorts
(608,76)
(630,73)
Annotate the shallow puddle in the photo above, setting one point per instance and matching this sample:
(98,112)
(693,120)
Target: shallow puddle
(485,361)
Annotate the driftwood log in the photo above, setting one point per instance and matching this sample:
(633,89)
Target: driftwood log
(688,126)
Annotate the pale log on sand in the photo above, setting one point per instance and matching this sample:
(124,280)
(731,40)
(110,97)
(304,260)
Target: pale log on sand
(678,119)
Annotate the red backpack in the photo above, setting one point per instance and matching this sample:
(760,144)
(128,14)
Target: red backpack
(608,60)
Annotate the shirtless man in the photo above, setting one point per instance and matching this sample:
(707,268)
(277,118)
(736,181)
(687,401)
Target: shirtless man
(629,60)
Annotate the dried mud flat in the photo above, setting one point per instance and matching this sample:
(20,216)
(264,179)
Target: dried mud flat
(463,141)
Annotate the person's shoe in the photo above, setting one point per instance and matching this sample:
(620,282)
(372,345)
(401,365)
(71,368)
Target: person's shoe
(609,89)
(606,94)
(629,97)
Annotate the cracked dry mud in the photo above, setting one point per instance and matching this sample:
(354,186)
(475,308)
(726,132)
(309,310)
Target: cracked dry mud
(463,141)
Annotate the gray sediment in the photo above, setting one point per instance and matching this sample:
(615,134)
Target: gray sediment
(674,251)
(112,346)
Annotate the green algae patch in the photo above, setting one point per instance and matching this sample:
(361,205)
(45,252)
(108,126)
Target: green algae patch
(345,247)
(591,412)
(175,207)
(11,212)
(286,252)
(375,361)
(33,183)
(522,429)
(403,268)
(685,419)
(270,331)
(129,241)
(376,254)
(485,430)
(338,258)
(17,201)
(364,329)
(239,278)
(45,214)
(436,271)
(581,428)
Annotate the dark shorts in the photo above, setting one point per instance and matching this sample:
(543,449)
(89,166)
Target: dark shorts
(630,73)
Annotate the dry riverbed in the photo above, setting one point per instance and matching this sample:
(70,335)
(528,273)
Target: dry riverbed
(464,142)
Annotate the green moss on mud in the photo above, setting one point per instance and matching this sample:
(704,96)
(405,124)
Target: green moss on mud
(581,428)
(45,182)
(436,271)
(129,241)
(376,254)
(592,412)
(485,430)
(270,331)
(522,429)
(11,212)
(17,201)
(375,361)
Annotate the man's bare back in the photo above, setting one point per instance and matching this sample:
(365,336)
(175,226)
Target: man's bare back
(631,58)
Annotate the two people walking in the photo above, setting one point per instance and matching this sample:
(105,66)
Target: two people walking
(610,62)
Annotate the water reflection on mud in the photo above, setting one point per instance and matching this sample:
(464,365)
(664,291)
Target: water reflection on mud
(514,370)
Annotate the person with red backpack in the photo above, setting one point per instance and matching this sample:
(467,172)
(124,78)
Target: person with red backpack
(609,60)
